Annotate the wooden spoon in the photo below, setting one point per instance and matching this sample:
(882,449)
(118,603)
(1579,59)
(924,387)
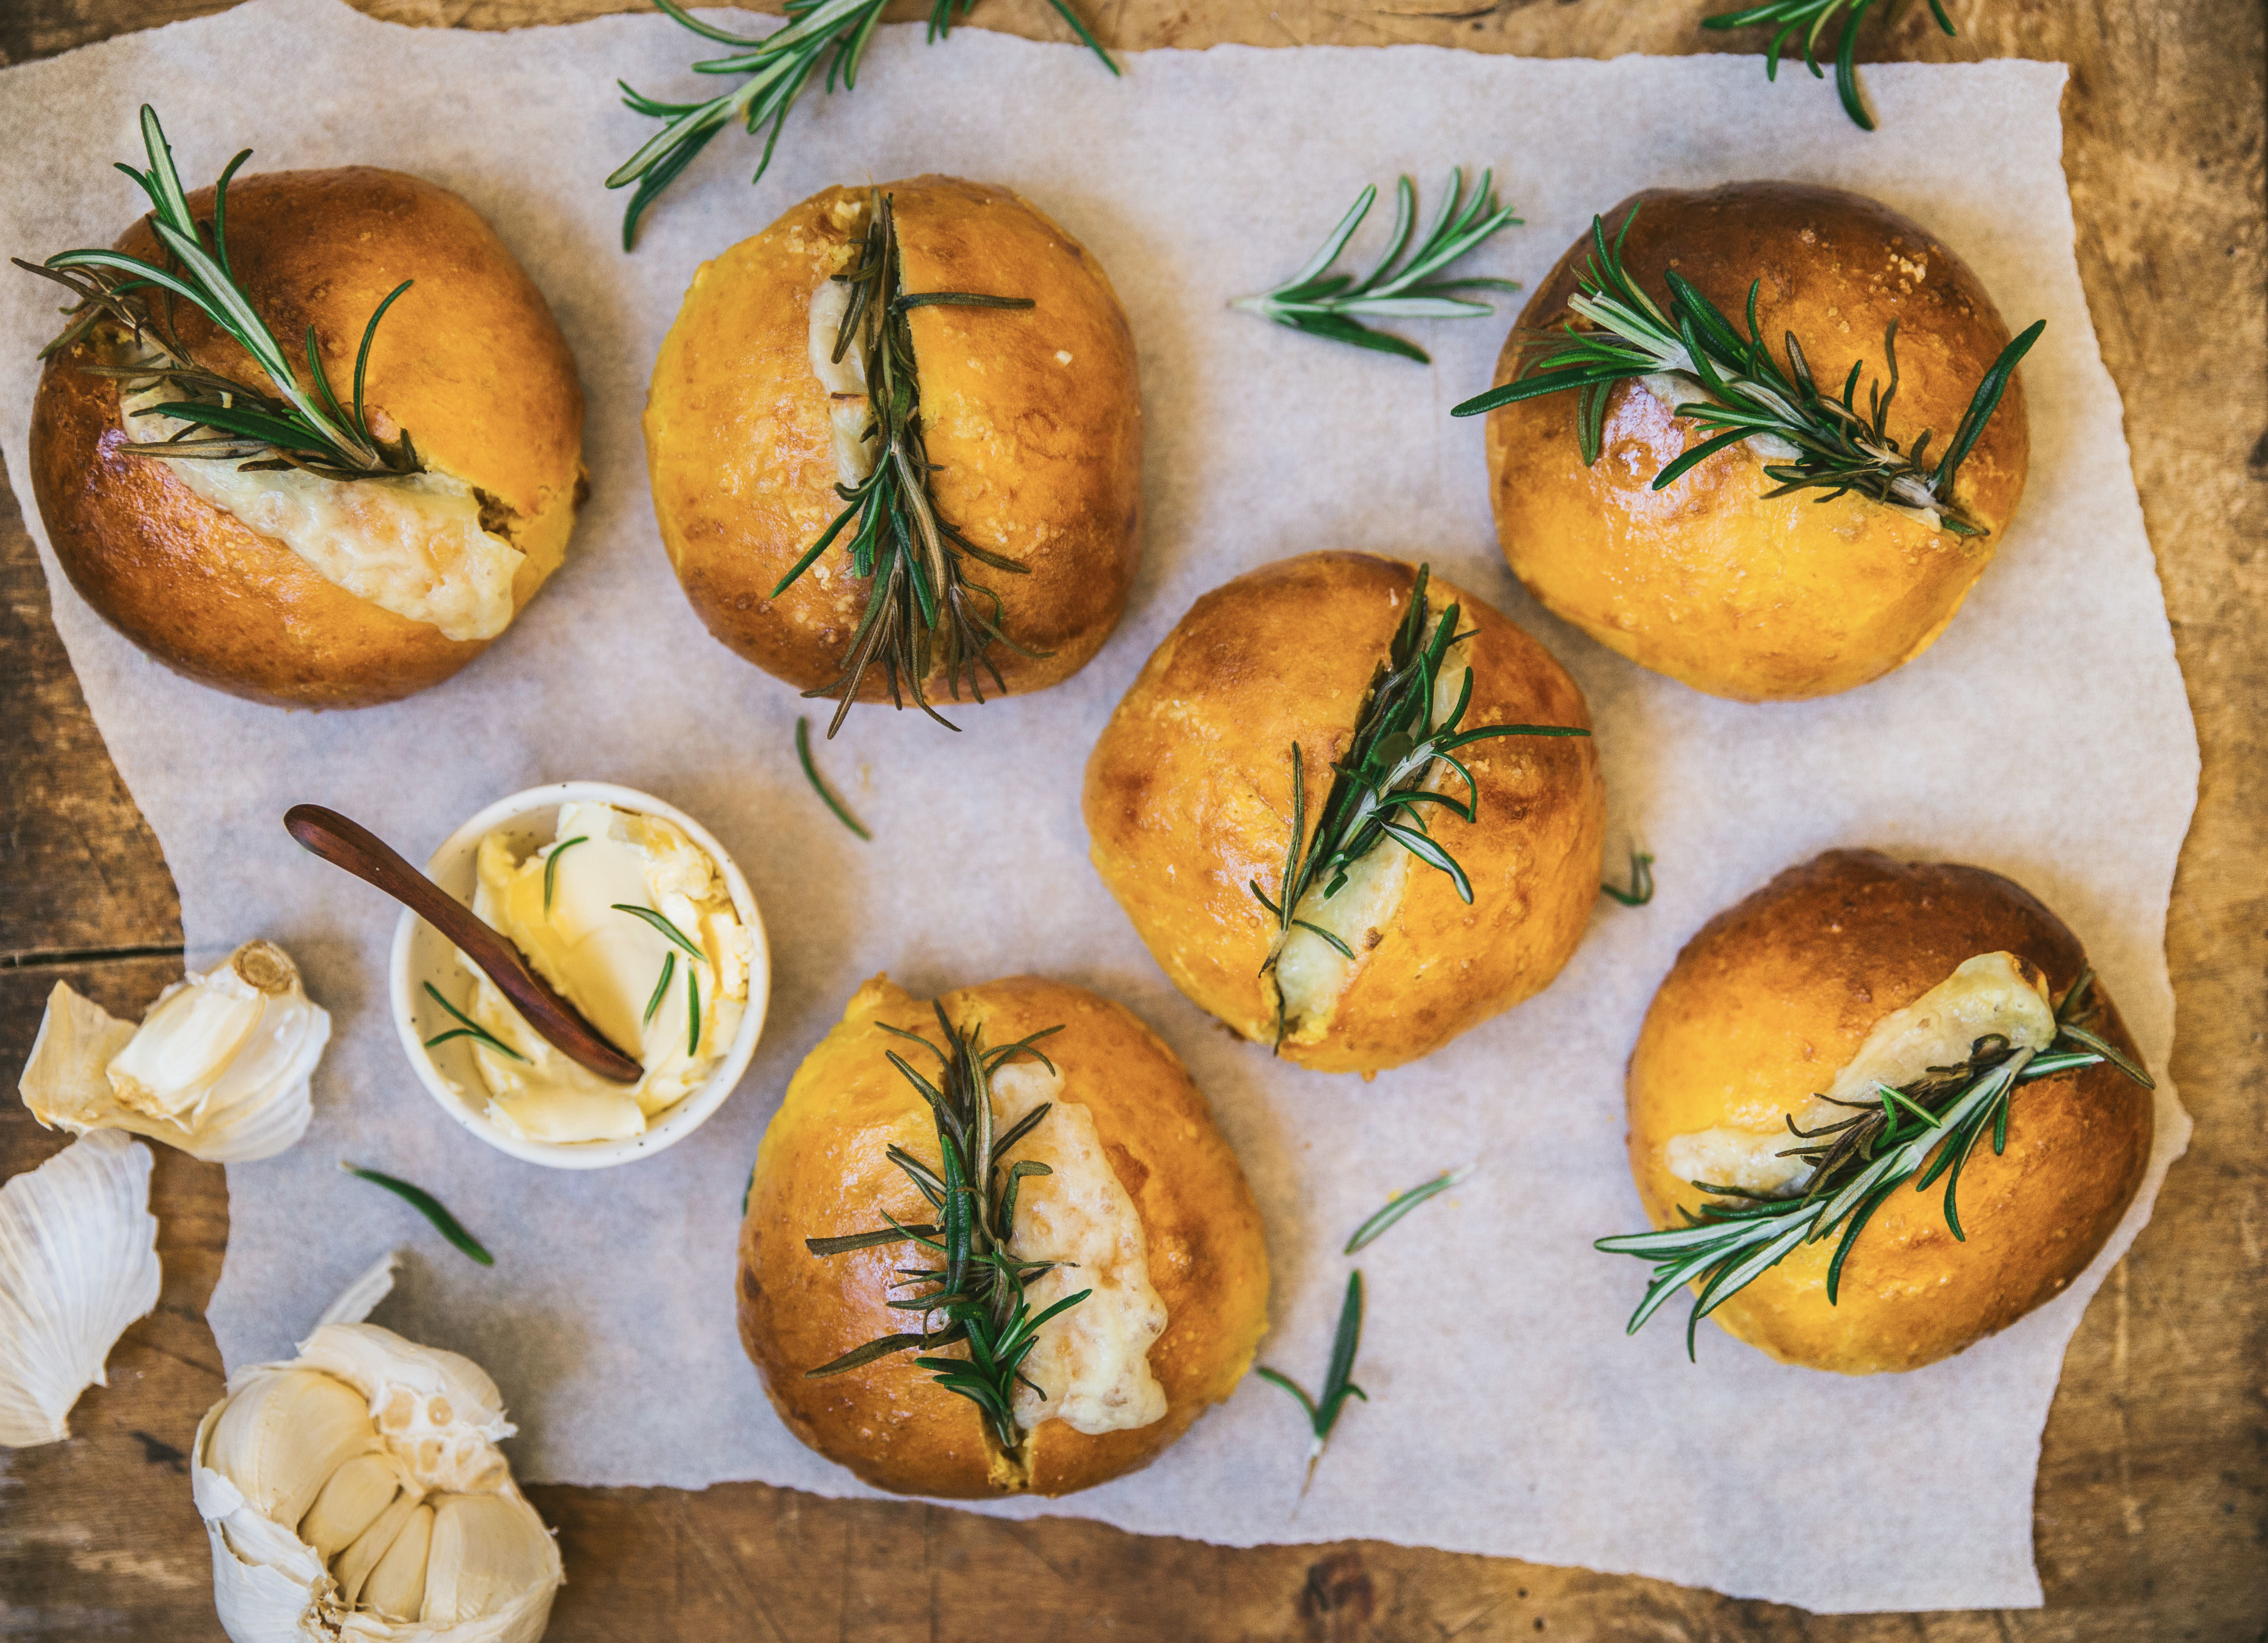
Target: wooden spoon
(351,846)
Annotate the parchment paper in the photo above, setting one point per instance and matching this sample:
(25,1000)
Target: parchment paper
(2045,736)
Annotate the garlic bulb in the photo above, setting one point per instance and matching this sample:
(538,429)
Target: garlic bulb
(357,1492)
(219,1066)
(78,1263)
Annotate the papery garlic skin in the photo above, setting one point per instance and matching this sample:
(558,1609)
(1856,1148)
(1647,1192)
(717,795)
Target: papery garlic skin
(220,1067)
(78,1263)
(383,1453)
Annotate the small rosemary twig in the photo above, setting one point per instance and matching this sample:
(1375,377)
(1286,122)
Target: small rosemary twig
(471,1028)
(1743,391)
(777,64)
(298,425)
(977,1287)
(551,866)
(826,794)
(426,1204)
(1323,1413)
(1323,304)
(1857,1163)
(1810,20)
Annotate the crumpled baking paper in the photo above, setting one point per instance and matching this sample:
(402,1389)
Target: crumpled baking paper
(2045,736)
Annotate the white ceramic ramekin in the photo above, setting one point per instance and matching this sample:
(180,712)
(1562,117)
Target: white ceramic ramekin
(421,954)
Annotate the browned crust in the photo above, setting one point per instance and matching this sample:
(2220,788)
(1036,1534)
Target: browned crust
(1707,581)
(821,1171)
(1187,800)
(1041,458)
(1771,999)
(470,361)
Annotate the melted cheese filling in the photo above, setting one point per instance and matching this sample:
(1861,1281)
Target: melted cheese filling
(1992,993)
(1093,1362)
(847,412)
(610,965)
(1312,975)
(411,545)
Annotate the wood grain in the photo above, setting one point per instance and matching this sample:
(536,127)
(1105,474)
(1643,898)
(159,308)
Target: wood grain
(2151,1518)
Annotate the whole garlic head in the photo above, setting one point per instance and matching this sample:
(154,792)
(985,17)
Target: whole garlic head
(357,1492)
(219,1067)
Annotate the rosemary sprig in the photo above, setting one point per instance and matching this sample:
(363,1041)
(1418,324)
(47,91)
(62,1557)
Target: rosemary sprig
(1857,1163)
(1641,890)
(551,866)
(1810,20)
(777,64)
(1323,1413)
(692,1009)
(660,987)
(302,425)
(1376,792)
(1323,304)
(919,604)
(977,1288)
(1399,1205)
(426,1204)
(826,794)
(1743,391)
(471,1028)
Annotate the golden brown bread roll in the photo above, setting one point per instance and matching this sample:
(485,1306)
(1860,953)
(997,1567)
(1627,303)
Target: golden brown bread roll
(1189,803)
(1128,1132)
(1032,419)
(469,362)
(1706,580)
(1775,997)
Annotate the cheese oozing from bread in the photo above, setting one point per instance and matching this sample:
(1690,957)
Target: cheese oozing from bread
(1312,975)
(412,545)
(1993,993)
(845,379)
(1092,1363)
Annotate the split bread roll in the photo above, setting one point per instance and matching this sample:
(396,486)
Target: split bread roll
(1706,580)
(1145,1196)
(1189,803)
(470,361)
(1031,418)
(1776,996)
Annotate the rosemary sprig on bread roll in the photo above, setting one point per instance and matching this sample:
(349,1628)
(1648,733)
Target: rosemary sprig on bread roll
(1740,392)
(295,544)
(1141,1213)
(1745,523)
(1379,784)
(978,1289)
(1331,686)
(894,443)
(1850,1036)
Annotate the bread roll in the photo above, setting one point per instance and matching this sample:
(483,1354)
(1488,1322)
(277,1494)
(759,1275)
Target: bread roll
(1189,802)
(1707,580)
(1774,997)
(822,1172)
(470,361)
(1032,418)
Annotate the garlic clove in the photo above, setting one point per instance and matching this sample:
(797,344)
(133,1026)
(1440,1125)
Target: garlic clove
(353,1566)
(78,1263)
(282,1434)
(487,1551)
(396,1586)
(357,1493)
(220,1067)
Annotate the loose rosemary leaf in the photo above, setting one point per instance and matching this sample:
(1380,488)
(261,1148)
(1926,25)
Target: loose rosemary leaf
(826,794)
(1339,1383)
(426,1204)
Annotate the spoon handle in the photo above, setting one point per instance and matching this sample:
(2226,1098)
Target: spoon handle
(349,844)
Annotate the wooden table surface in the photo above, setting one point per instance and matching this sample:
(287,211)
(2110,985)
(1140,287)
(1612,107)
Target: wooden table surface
(2150,1518)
